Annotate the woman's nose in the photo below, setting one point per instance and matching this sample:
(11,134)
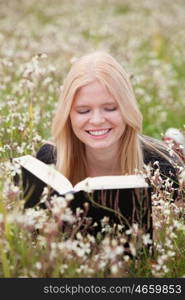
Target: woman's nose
(97,117)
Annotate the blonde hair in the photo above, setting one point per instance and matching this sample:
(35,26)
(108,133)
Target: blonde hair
(71,159)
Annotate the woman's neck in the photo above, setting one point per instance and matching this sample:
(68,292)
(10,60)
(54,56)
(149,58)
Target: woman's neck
(101,163)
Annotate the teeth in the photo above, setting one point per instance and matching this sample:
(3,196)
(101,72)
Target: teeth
(99,132)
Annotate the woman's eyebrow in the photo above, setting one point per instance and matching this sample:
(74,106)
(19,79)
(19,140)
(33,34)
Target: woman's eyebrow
(81,106)
(109,103)
(105,103)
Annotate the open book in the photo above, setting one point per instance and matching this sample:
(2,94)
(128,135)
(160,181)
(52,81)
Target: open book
(118,197)
(62,185)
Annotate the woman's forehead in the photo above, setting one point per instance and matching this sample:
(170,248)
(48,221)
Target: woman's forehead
(91,92)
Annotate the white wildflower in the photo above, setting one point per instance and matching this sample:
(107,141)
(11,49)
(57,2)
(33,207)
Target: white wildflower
(146,239)
(63,268)
(170,253)
(91,238)
(135,228)
(165,269)
(114,269)
(38,265)
(132,249)
(126,258)
(68,216)
(114,243)
(119,250)
(42,241)
(129,231)
(69,196)
(79,236)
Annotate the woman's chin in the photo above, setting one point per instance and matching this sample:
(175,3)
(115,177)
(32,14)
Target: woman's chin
(98,146)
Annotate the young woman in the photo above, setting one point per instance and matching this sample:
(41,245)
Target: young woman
(97,127)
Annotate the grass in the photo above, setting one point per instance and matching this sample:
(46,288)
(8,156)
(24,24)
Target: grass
(39,41)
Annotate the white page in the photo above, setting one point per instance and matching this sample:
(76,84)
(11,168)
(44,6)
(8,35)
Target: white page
(112,182)
(47,174)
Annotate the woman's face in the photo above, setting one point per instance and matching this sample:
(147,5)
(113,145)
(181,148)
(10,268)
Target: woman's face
(96,118)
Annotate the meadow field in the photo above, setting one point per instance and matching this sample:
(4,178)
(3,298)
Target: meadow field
(39,41)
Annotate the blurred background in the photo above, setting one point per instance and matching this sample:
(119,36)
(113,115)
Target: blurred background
(39,40)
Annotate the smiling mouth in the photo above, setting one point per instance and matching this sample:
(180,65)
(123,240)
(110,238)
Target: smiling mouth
(98,132)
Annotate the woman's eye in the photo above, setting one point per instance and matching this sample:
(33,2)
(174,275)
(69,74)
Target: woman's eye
(110,108)
(83,112)
(88,110)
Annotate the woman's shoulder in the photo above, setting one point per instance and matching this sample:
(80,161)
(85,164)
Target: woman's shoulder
(153,155)
(154,150)
(158,156)
(47,153)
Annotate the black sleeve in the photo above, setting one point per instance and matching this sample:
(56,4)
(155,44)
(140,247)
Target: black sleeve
(33,186)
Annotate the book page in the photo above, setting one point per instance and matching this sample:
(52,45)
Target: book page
(46,173)
(111,182)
